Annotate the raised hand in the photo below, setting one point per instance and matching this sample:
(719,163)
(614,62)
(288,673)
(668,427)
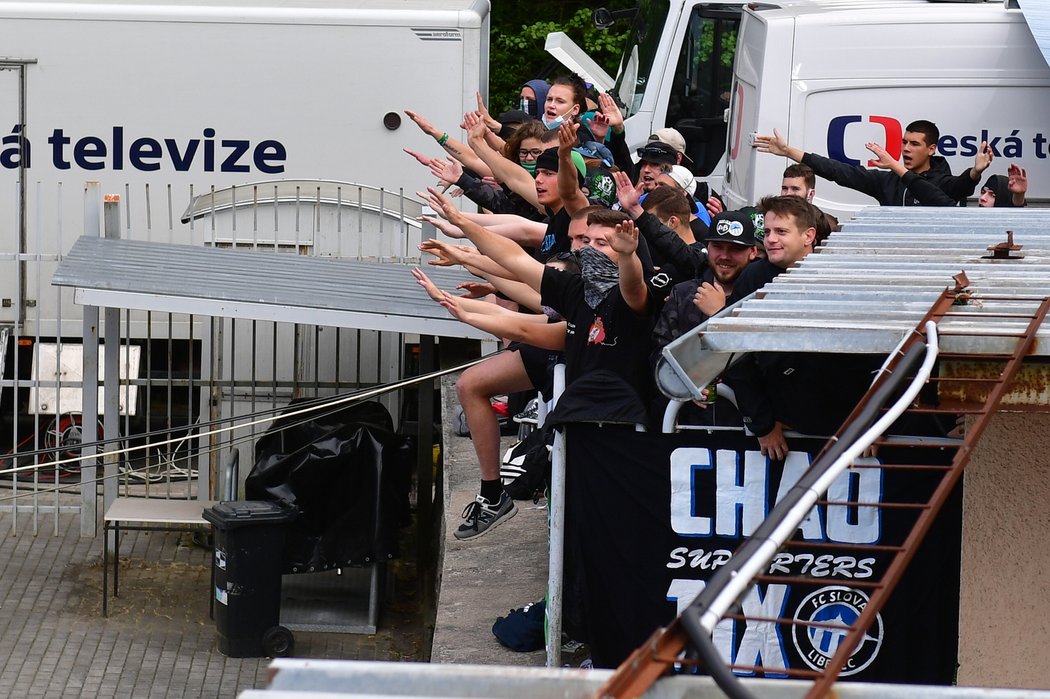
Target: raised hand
(448,171)
(599,126)
(624,239)
(476,290)
(428,286)
(985,156)
(775,144)
(423,124)
(444,205)
(423,159)
(1017,179)
(444,226)
(611,112)
(627,194)
(483,111)
(567,137)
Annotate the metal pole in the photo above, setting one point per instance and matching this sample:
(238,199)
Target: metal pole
(556,561)
(89,378)
(425,451)
(111,371)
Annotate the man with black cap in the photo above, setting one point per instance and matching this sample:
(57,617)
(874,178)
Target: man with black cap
(655,159)
(731,247)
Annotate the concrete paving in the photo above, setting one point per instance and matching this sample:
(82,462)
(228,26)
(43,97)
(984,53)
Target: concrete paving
(159,642)
(483,578)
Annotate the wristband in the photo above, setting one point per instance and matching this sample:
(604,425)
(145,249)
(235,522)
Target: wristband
(443,140)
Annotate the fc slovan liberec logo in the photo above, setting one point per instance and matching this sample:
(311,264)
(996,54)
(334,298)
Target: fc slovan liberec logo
(835,605)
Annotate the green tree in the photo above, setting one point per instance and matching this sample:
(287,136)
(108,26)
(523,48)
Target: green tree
(519,31)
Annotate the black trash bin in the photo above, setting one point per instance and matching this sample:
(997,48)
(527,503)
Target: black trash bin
(249,540)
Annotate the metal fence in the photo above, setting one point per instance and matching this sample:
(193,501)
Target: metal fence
(177,372)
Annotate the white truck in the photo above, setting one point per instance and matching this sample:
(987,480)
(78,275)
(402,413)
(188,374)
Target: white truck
(199,93)
(162,100)
(831,75)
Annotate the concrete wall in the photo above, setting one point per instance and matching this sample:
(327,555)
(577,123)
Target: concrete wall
(1004,636)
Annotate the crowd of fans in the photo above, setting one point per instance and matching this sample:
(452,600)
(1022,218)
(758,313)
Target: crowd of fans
(596,257)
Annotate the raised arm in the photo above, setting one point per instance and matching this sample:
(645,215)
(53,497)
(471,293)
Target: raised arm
(572,197)
(509,173)
(521,327)
(505,252)
(632,281)
(453,147)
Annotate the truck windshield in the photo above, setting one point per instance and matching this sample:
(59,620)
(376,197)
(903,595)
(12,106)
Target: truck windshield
(643,41)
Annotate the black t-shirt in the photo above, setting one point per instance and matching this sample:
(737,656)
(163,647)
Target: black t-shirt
(556,240)
(610,337)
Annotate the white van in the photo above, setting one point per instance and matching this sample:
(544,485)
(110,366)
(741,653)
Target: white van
(832,76)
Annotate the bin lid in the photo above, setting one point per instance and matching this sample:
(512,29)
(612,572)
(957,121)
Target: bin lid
(246,513)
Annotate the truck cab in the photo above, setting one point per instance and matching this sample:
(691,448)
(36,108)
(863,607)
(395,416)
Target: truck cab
(676,70)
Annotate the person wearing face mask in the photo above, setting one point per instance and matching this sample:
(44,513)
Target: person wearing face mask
(566,101)
(533,97)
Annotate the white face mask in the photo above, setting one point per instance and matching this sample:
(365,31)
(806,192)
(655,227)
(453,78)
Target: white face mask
(556,122)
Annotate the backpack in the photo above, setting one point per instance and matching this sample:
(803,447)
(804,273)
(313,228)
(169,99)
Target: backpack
(526,467)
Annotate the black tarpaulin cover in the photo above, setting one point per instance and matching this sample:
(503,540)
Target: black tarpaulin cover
(348,473)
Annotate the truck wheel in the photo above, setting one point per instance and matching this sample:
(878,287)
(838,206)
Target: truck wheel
(278,642)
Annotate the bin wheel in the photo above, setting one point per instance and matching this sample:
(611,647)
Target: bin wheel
(278,642)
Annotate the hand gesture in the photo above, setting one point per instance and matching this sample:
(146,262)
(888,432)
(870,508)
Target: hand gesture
(423,160)
(447,255)
(428,286)
(627,194)
(709,298)
(448,171)
(1017,179)
(611,111)
(984,157)
(476,290)
(475,126)
(423,124)
(444,226)
(483,112)
(882,157)
(599,126)
(567,137)
(452,305)
(775,144)
(446,208)
(624,239)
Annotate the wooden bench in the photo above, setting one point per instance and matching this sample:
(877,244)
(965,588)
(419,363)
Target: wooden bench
(146,514)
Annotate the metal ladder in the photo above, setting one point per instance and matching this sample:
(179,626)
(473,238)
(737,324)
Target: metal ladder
(687,640)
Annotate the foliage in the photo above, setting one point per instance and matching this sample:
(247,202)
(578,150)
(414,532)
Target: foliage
(516,51)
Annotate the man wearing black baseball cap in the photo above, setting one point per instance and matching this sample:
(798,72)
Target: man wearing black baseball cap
(655,159)
(731,246)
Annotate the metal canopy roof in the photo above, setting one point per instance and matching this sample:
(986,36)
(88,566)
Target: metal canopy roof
(257,285)
(873,282)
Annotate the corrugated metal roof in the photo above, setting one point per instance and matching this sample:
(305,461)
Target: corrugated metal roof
(261,285)
(873,282)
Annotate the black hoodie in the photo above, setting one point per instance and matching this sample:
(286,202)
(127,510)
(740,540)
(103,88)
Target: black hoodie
(927,189)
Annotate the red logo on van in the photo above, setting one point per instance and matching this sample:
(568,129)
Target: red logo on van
(837,137)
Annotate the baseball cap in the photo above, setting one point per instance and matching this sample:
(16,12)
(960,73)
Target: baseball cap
(593,149)
(683,178)
(514,116)
(658,152)
(548,160)
(732,227)
(672,137)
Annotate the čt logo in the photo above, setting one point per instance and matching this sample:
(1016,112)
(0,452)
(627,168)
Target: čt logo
(837,137)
